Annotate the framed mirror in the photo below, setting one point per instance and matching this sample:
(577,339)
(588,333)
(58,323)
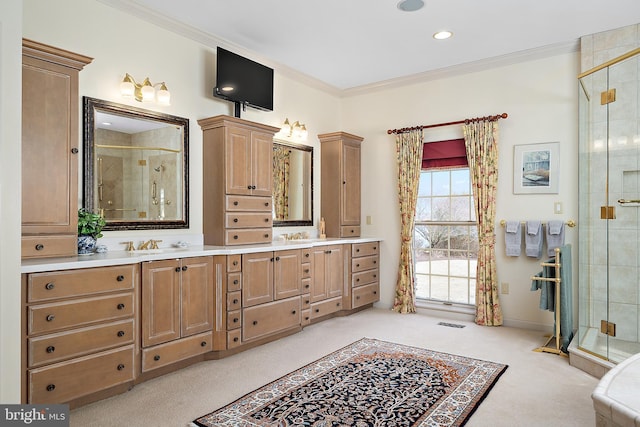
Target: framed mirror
(136,166)
(292,184)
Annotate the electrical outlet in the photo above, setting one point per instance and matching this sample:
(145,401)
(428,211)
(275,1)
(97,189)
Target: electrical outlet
(504,286)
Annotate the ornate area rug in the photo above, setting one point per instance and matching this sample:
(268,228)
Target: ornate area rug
(368,383)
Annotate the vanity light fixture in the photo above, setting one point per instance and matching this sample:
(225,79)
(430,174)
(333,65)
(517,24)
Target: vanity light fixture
(145,91)
(296,130)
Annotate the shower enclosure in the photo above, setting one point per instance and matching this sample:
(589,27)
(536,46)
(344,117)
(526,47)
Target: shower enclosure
(609,219)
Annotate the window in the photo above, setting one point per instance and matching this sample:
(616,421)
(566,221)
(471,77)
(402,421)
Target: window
(446,237)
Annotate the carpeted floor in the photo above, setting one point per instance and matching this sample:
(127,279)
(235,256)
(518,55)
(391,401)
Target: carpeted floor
(369,382)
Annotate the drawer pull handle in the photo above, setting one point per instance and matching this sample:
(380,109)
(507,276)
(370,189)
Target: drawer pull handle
(375,262)
(375,275)
(375,247)
(235,219)
(306,270)
(306,255)
(375,292)
(156,357)
(235,262)
(74,150)
(306,317)
(49,286)
(277,258)
(120,306)
(266,220)
(235,282)
(306,286)
(358,279)
(266,236)
(255,322)
(40,247)
(253,187)
(120,278)
(357,250)
(177,269)
(248,187)
(203,344)
(235,237)
(235,339)
(357,265)
(293,312)
(266,204)
(235,301)
(235,320)
(185,267)
(307,302)
(51,387)
(338,304)
(120,333)
(51,349)
(50,317)
(317,310)
(235,203)
(120,367)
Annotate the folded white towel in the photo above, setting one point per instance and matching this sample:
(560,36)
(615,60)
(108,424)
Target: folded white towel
(513,238)
(533,239)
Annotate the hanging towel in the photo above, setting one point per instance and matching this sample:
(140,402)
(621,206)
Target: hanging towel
(555,236)
(513,238)
(547,289)
(533,239)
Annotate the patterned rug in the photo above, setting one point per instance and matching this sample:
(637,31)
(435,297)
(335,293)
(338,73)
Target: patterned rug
(368,383)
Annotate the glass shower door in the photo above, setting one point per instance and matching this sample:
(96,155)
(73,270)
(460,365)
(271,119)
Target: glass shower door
(609,171)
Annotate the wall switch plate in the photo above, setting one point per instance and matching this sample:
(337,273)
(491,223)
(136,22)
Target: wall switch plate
(557,207)
(504,288)
(369,220)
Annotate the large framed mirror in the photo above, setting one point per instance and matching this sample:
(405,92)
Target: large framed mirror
(292,184)
(136,166)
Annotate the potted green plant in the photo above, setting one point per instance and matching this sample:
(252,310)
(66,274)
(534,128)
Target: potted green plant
(89,230)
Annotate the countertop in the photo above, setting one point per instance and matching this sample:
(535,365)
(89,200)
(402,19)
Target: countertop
(134,257)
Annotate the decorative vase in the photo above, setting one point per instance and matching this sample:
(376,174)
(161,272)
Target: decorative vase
(86,245)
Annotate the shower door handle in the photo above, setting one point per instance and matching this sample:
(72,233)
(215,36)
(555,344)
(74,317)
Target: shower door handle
(625,201)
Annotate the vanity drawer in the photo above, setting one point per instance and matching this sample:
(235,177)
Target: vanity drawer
(364,278)
(80,312)
(364,263)
(365,249)
(350,231)
(65,381)
(306,285)
(305,317)
(305,301)
(247,220)
(72,283)
(265,319)
(174,351)
(49,246)
(365,295)
(234,338)
(306,270)
(234,300)
(234,319)
(65,345)
(248,236)
(325,307)
(248,203)
(234,282)
(234,263)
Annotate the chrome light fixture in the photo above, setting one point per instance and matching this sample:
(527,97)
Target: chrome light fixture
(295,130)
(145,91)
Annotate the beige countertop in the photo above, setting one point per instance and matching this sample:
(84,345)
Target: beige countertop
(134,257)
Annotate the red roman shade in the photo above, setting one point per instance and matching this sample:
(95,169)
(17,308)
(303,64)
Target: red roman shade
(444,154)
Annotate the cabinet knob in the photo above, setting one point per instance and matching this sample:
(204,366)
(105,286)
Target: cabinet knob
(266,220)
(177,269)
(253,187)
(357,250)
(352,230)
(120,333)
(337,304)
(358,297)
(344,182)
(293,312)
(327,252)
(375,275)
(120,278)
(306,270)
(235,282)
(50,317)
(120,367)
(306,286)
(317,310)
(49,286)
(184,268)
(358,279)
(235,320)
(266,204)
(306,317)
(235,237)
(235,339)
(74,150)
(266,236)
(375,247)
(40,247)
(306,255)
(51,387)
(306,301)
(235,203)
(235,301)
(235,262)
(255,322)
(375,292)
(277,258)
(357,265)
(203,344)
(375,262)
(248,187)
(156,357)
(235,219)
(120,306)
(51,349)
(271,260)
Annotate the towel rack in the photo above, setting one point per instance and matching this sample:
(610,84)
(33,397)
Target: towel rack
(570,223)
(558,281)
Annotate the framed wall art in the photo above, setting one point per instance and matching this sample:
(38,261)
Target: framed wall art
(536,168)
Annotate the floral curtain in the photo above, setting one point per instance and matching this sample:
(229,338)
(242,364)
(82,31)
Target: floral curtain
(481,139)
(409,153)
(281,171)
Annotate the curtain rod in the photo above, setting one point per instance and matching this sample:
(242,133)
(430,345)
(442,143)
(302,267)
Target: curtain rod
(465,121)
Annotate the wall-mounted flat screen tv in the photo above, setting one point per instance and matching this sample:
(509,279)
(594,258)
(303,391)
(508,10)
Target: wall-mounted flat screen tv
(243,81)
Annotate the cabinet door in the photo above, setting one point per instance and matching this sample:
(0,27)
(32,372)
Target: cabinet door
(160,302)
(261,164)
(257,280)
(335,271)
(286,276)
(318,274)
(197,295)
(350,206)
(238,161)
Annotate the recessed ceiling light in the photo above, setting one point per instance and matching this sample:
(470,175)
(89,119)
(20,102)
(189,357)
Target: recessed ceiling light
(410,5)
(441,35)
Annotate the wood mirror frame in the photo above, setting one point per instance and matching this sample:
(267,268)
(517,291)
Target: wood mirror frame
(144,160)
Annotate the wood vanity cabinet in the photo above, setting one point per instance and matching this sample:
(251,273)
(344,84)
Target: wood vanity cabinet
(327,280)
(49,150)
(340,180)
(79,332)
(237,181)
(177,310)
(364,274)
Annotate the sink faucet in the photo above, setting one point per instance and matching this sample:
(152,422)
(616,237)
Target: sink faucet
(144,245)
(154,244)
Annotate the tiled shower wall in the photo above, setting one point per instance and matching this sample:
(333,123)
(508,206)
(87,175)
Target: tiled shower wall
(619,126)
